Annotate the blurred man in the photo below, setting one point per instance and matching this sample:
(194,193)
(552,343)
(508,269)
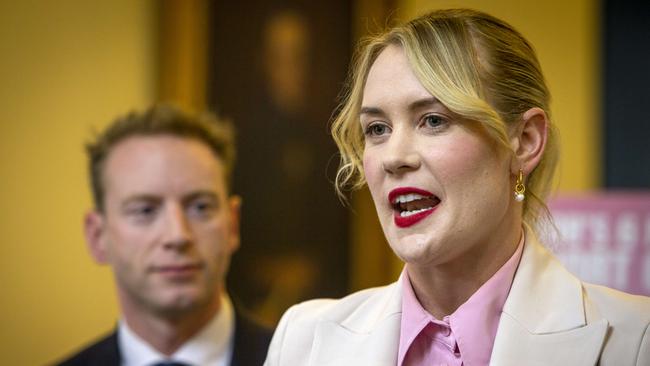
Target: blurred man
(165,222)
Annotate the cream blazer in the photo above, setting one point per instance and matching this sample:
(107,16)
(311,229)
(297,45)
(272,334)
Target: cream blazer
(549,318)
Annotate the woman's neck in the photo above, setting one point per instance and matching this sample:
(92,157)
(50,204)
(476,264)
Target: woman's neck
(443,288)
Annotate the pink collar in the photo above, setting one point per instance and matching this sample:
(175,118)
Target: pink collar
(471,329)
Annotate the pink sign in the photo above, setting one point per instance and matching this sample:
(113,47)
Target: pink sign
(605,238)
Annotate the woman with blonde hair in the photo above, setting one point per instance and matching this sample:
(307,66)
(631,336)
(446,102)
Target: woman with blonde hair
(447,121)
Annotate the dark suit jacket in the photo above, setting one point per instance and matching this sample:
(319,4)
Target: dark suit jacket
(249,348)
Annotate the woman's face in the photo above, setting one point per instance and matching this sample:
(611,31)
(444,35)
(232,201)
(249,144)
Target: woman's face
(442,189)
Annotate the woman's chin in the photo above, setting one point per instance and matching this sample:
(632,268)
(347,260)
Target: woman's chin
(416,249)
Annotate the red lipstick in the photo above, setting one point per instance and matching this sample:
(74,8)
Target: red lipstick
(412,219)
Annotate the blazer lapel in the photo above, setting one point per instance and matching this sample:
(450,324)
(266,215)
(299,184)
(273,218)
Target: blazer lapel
(576,347)
(543,320)
(369,336)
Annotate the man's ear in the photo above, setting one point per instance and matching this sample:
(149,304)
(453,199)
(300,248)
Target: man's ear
(94,231)
(528,141)
(234,205)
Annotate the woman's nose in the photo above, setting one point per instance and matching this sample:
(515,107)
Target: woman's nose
(400,155)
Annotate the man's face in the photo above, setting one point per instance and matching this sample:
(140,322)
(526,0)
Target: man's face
(169,227)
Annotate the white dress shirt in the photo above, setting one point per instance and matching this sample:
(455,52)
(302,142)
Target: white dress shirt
(211,346)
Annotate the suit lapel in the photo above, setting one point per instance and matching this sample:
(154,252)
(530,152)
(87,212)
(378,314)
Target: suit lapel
(543,320)
(368,336)
(576,347)
(251,341)
(110,354)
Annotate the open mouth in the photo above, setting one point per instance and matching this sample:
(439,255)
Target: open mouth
(411,205)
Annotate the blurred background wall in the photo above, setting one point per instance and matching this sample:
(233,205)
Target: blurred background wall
(71,66)
(65,67)
(279,82)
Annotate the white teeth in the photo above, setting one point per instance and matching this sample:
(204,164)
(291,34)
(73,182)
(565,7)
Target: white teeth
(409,198)
(410,213)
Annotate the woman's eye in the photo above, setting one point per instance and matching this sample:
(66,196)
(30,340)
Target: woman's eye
(377,129)
(434,121)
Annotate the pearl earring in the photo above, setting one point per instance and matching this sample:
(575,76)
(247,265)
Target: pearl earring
(519,187)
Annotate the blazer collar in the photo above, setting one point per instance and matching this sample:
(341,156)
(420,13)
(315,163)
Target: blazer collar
(369,335)
(541,283)
(543,320)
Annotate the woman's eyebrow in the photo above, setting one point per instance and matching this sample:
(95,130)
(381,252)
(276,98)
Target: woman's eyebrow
(371,110)
(418,104)
(425,102)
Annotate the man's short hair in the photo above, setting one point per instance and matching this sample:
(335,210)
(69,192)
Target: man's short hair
(160,120)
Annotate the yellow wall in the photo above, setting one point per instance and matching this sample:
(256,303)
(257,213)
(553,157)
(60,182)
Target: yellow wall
(65,67)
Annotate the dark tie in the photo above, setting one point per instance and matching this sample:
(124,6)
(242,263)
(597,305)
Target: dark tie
(170,363)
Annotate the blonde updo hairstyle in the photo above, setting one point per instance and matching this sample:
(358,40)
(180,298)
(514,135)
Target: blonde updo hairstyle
(479,67)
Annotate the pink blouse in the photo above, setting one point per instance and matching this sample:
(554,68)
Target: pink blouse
(465,337)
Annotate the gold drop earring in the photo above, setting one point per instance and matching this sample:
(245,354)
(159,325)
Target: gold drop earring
(519,187)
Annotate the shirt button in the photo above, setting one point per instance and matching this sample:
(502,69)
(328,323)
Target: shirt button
(446,331)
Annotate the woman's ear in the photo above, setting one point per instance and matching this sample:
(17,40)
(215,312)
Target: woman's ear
(529,140)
